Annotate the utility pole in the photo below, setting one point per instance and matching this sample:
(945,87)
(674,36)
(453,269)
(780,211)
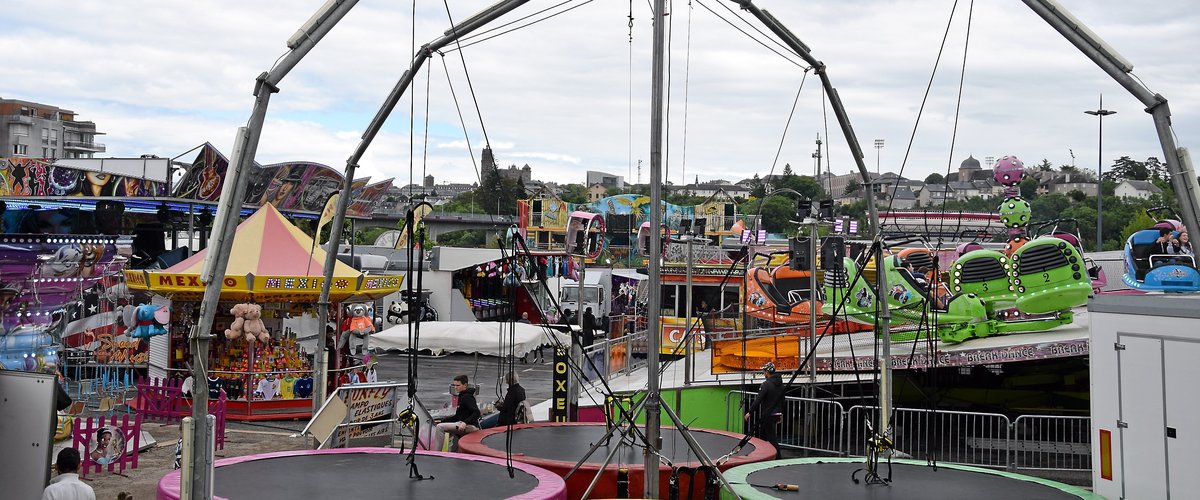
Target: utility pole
(878,146)
(1100,113)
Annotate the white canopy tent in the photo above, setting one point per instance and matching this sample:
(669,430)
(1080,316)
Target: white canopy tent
(490,338)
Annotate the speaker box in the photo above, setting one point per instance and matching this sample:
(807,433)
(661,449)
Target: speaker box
(833,250)
(801,254)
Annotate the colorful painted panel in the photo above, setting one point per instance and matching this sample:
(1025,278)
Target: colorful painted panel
(301,186)
(40,177)
(366,199)
(58,290)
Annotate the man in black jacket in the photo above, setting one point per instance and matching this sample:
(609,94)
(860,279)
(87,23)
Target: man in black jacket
(767,406)
(466,416)
(512,400)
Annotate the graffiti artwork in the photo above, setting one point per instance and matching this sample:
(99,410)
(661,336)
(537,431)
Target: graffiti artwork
(298,186)
(60,291)
(40,177)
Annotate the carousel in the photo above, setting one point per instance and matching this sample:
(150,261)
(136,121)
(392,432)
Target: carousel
(259,355)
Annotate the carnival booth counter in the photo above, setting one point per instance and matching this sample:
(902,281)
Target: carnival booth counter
(272,283)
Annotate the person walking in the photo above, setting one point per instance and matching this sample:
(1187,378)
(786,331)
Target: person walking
(512,400)
(767,406)
(66,485)
(466,416)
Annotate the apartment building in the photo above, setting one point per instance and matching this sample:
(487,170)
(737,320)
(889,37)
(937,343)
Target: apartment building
(30,129)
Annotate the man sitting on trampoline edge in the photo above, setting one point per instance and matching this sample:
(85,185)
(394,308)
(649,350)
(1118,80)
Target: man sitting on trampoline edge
(466,417)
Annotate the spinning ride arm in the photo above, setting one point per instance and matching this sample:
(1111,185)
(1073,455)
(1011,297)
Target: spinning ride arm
(1183,177)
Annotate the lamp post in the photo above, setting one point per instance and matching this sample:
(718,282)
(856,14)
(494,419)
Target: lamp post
(1100,114)
(878,146)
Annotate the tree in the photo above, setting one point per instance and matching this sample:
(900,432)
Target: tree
(1126,168)
(574,193)
(1137,223)
(1045,166)
(757,188)
(1029,188)
(851,187)
(935,178)
(776,211)
(787,170)
(1077,195)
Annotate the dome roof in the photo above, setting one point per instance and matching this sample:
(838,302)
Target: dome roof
(970,162)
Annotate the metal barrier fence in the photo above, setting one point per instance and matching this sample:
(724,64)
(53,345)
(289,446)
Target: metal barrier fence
(948,436)
(1031,442)
(1048,442)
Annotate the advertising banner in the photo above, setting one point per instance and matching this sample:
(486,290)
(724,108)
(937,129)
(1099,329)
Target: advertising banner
(370,413)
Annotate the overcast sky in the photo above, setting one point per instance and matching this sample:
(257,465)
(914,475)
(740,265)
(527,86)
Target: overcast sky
(571,94)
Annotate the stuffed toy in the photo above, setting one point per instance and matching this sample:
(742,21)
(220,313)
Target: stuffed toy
(149,320)
(395,312)
(247,323)
(253,325)
(235,330)
(360,323)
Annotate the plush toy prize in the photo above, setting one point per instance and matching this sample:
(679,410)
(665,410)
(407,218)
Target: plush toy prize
(149,320)
(247,323)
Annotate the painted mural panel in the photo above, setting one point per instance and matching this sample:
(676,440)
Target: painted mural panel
(40,177)
(367,199)
(58,291)
(203,179)
(302,186)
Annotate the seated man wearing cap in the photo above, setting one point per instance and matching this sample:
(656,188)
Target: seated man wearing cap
(767,405)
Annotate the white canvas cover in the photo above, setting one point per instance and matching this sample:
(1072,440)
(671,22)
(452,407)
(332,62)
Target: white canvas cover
(490,338)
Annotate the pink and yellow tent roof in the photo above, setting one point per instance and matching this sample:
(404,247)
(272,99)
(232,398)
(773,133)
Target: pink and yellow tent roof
(271,261)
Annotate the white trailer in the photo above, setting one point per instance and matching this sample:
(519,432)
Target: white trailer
(1145,408)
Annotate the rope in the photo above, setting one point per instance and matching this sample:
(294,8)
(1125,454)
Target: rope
(756,40)
(470,86)
(481,40)
(924,100)
(779,150)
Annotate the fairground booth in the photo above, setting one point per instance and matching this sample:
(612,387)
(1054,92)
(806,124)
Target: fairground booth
(268,297)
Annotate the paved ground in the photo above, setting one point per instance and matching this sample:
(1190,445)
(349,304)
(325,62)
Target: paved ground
(434,376)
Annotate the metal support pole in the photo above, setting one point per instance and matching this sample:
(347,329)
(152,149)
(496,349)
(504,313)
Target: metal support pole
(1100,113)
(575,378)
(688,333)
(812,307)
(654,269)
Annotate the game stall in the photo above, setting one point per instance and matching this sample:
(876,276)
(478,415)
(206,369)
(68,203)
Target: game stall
(268,299)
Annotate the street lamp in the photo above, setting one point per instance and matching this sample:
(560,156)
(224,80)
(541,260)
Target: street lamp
(878,146)
(1100,113)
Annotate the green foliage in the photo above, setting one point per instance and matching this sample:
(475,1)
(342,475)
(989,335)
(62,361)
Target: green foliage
(757,188)
(1029,188)
(777,212)
(574,193)
(469,238)
(935,178)
(369,235)
(852,186)
(1137,223)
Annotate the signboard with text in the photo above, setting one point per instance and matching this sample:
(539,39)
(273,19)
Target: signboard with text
(370,415)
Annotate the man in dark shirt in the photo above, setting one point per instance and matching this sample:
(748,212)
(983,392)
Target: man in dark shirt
(512,400)
(767,406)
(589,328)
(466,417)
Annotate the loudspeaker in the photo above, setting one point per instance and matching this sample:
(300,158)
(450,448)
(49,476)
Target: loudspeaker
(802,259)
(833,250)
(698,226)
(825,209)
(803,209)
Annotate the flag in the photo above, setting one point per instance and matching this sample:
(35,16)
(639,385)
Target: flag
(419,212)
(327,213)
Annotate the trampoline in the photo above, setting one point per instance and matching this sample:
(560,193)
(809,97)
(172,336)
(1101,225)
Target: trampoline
(370,473)
(911,480)
(557,446)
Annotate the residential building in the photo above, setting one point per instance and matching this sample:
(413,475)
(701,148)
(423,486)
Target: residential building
(605,179)
(1136,189)
(30,129)
(596,192)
